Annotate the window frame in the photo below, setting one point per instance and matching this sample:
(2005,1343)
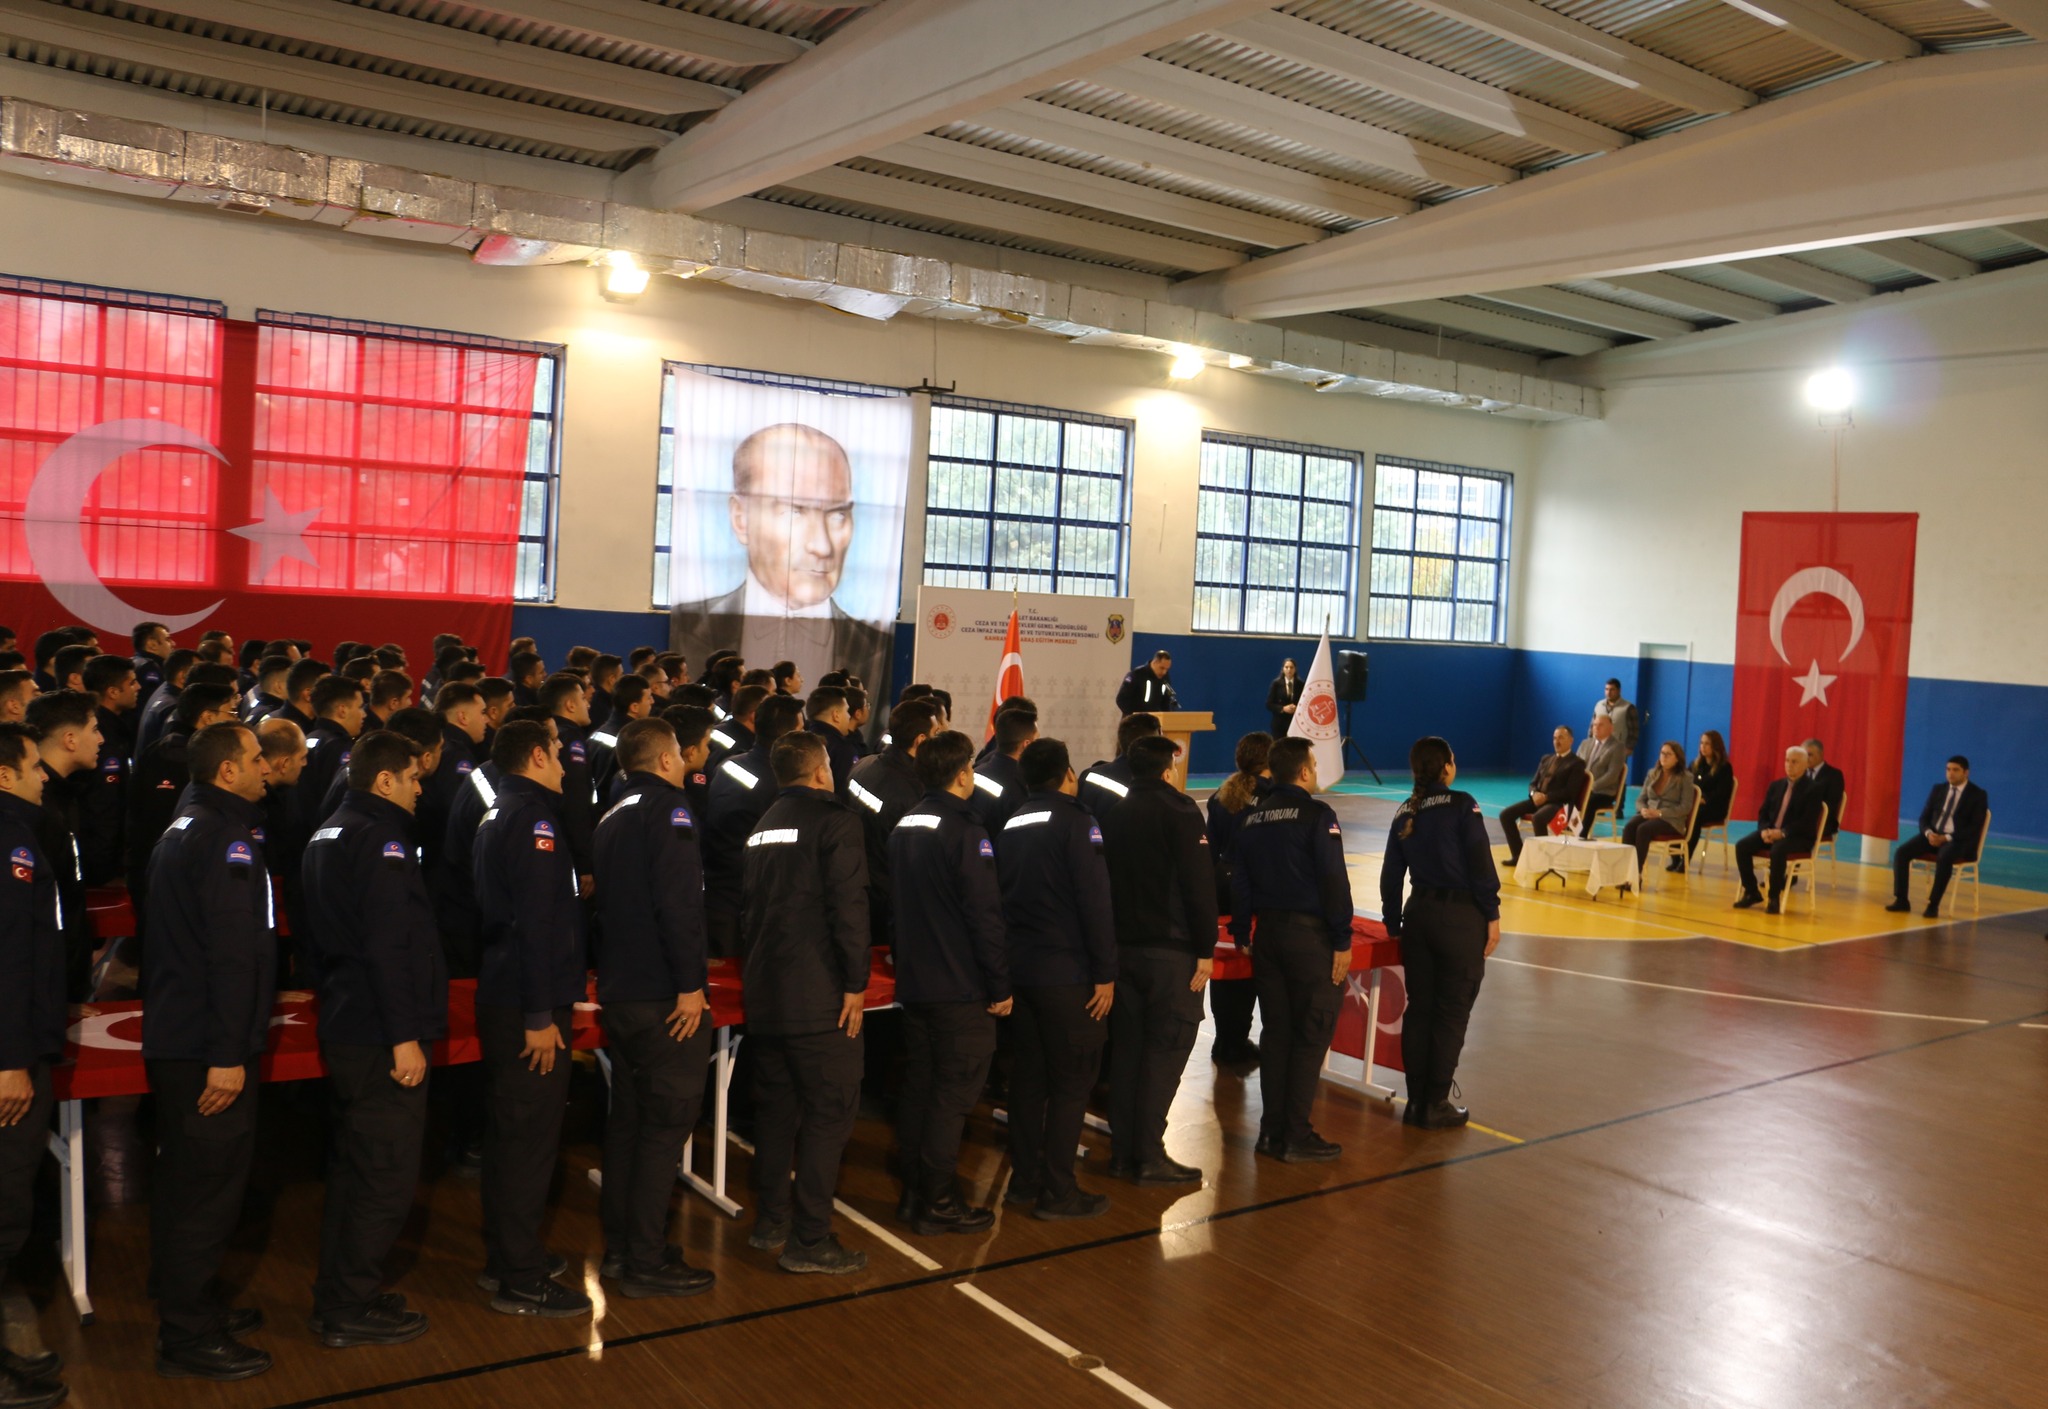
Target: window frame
(1117,581)
(1245,540)
(1501,562)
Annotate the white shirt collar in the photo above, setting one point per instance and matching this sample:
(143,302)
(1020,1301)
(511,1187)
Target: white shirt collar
(760,601)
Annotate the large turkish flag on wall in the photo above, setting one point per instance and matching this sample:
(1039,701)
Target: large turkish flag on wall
(1822,635)
(286,477)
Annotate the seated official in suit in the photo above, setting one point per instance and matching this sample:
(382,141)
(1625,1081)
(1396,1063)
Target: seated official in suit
(1607,761)
(1663,803)
(1559,782)
(1788,824)
(1716,782)
(1828,781)
(1951,829)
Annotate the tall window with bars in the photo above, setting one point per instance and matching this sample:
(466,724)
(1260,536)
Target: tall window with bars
(1276,537)
(1439,553)
(1026,498)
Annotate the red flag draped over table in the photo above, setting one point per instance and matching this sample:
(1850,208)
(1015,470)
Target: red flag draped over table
(1823,632)
(1009,675)
(287,476)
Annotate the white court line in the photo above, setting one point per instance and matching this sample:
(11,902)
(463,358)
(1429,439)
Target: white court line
(2042,1026)
(883,1235)
(1743,997)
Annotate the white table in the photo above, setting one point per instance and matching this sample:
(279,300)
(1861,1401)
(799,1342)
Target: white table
(1604,863)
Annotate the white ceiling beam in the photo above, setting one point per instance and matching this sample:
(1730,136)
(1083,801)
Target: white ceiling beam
(1848,32)
(1594,51)
(1402,77)
(657,26)
(1119,141)
(257,68)
(988,167)
(934,202)
(2026,16)
(905,68)
(1923,258)
(1177,87)
(436,46)
(1504,327)
(1809,279)
(1869,157)
(1691,293)
(2032,232)
(1596,312)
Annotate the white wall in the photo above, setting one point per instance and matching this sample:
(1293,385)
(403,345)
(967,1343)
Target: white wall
(612,383)
(1637,518)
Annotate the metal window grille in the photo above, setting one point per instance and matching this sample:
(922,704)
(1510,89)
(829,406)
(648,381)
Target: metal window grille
(1439,568)
(1276,537)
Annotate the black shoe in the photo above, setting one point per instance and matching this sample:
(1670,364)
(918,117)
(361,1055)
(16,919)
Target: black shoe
(45,1366)
(1508,863)
(1749,900)
(614,1264)
(1235,1056)
(1413,1111)
(906,1207)
(549,1300)
(1445,1115)
(827,1255)
(950,1215)
(1020,1193)
(1166,1171)
(215,1357)
(373,1325)
(1772,907)
(243,1320)
(467,1159)
(26,1391)
(488,1281)
(1272,1146)
(769,1234)
(1932,912)
(1123,1169)
(1676,863)
(1076,1203)
(1899,907)
(676,1278)
(1312,1149)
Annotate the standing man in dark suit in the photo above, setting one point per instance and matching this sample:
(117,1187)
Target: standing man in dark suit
(1147,688)
(1281,698)
(1828,782)
(1951,830)
(1788,824)
(792,510)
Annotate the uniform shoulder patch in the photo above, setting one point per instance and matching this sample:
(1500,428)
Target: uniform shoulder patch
(464,766)
(240,853)
(257,832)
(1095,834)
(22,862)
(327,834)
(680,817)
(988,849)
(394,851)
(578,752)
(543,835)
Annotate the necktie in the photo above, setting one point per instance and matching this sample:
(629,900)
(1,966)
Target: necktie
(1948,813)
(1784,806)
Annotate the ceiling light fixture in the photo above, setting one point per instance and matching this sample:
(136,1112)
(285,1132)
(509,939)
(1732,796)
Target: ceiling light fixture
(621,279)
(1187,364)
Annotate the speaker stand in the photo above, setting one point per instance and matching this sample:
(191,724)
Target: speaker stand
(1351,747)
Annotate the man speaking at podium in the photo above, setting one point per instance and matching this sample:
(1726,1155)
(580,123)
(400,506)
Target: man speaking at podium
(1147,689)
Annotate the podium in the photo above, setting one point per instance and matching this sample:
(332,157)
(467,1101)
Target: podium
(1181,726)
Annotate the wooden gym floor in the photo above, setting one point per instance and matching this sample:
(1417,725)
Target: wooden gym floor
(1746,1164)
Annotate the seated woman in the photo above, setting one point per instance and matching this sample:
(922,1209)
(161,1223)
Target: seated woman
(1716,782)
(1663,803)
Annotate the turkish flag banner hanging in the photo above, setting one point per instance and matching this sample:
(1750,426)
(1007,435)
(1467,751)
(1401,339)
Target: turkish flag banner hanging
(1009,676)
(1823,630)
(288,476)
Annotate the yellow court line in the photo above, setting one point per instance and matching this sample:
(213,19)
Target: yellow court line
(1743,997)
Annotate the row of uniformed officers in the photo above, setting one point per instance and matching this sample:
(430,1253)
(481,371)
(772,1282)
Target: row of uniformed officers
(1004,892)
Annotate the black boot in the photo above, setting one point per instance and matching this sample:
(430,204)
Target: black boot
(216,1357)
(950,1215)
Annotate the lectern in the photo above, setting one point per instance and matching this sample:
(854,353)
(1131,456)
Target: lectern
(1181,726)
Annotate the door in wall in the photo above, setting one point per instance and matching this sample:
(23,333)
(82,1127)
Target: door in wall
(1663,701)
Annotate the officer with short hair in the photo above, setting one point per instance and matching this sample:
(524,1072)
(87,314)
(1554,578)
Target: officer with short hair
(68,735)
(1063,964)
(339,713)
(805,969)
(1163,891)
(742,788)
(952,977)
(651,984)
(631,700)
(531,976)
(998,786)
(383,987)
(206,1000)
(882,789)
(1105,785)
(828,715)
(733,733)
(564,697)
(1287,873)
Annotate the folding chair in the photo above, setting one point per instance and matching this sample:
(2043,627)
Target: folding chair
(1827,845)
(1611,814)
(1718,831)
(1678,846)
(1802,865)
(1965,869)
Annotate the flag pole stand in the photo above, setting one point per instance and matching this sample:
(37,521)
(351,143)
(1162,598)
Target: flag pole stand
(1351,746)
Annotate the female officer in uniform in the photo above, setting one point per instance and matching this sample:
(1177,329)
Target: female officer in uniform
(1450,924)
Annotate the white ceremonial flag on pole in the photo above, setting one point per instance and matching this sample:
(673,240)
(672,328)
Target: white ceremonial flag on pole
(1315,718)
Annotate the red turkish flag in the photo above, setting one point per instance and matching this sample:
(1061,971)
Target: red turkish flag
(1822,635)
(1009,675)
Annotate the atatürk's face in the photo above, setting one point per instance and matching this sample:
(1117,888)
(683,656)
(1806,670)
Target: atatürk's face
(796,517)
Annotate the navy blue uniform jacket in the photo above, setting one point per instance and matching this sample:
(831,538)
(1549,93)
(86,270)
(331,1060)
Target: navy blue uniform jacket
(374,949)
(212,970)
(650,895)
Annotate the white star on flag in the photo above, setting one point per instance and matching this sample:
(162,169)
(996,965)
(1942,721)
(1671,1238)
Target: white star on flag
(1813,685)
(278,535)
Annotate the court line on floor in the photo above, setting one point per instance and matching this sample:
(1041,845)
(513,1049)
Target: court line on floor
(1742,997)
(583,1349)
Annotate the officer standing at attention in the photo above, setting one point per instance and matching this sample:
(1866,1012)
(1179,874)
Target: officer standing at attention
(742,789)
(1287,873)
(563,697)
(882,789)
(633,699)
(32,1021)
(1163,891)
(650,982)
(953,978)
(68,735)
(1449,926)
(806,975)
(383,987)
(998,785)
(734,734)
(532,975)
(1105,785)
(1063,965)
(206,999)
(339,713)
